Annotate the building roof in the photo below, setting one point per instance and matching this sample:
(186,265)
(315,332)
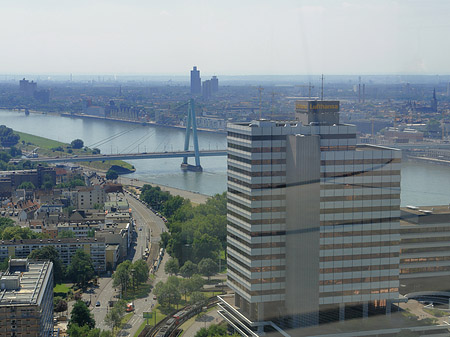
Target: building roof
(24,286)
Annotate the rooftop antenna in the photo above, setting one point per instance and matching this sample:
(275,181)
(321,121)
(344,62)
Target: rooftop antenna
(322,89)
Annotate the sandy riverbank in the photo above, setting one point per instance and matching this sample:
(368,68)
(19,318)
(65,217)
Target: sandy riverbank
(196,198)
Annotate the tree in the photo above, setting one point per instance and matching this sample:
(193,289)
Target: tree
(207,267)
(27,185)
(112,174)
(7,137)
(61,305)
(121,276)
(115,315)
(77,144)
(172,267)
(95,150)
(50,253)
(18,233)
(206,246)
(140,272)
(66,234)
(196,283)
(5,223)
(168,293)
(81,315)
(81,269)
(197,297)
(74,330)
(188,269)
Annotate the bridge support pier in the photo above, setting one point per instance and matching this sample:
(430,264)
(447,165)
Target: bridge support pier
(191,122)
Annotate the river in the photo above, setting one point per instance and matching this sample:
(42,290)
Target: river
(422,184)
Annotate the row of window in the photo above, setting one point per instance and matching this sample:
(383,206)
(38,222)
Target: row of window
(257,161)
(425,259)
(257,281)
(256,257)
(445,248)
(359,221)
(358,268)
(360,197)
(257,209)
(359,280)
(257,245)
(426,239)
(360,245)
(424,229)
(370,173)
(256,138)
(257,174)
(257,197)
(345,186)
(254,293)
(359,292)
(424,270)
(382,161)
(257,149)
(258,222)
(358,233)
(358,257)
(359,209)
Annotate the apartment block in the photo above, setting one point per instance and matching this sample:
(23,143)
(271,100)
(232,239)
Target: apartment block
(26,299)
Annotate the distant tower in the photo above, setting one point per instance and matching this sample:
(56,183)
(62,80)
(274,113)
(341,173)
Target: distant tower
(214,84)
(206,89)
(196,82)
(434,101)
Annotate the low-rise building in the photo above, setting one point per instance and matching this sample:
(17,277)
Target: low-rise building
(26,300)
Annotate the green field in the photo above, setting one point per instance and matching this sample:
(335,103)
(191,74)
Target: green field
(47,147)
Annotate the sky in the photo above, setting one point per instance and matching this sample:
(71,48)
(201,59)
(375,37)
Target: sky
(232,37)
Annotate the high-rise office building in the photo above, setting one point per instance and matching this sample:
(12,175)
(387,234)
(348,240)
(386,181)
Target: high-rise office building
(214,84)
(206,89)
(313,222)
(26,301)
(196,82)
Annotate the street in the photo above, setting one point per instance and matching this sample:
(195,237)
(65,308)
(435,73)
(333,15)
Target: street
(152,226)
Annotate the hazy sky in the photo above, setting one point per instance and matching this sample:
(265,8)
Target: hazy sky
(228,37)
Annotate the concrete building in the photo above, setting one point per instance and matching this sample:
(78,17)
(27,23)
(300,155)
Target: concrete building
(26,299)
(313,222)
(206,89)
(196,82)
(88,197)
(425,249)
(214,84)
(66,248)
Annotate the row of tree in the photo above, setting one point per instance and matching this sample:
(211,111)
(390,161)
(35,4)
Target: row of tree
(170,293)
(206,267)
(195,232)
(130,275)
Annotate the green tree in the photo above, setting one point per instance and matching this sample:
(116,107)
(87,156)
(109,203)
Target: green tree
(50,253)
(18,233)
(141,271)
(81,268)
(121,276)
(5,223)
(112,174)
(188,269)
(66,234)
(197,297)
(77,144)
(81,315)
(115,315)
(74,330)
(7,137)
(168,293)
(27,185)
(61,305)
(207,267)
(206,246)
(172,267)
(196,283)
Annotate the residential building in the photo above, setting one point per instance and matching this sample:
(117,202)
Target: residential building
(66,248)
(26,300)
(313,222)
(89,197)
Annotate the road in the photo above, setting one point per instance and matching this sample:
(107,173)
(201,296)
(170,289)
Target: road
(152,227)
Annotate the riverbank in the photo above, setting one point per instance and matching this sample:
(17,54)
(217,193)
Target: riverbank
(196,198)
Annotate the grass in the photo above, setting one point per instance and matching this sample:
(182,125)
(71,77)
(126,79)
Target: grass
(159,317)
(435,312)
(46,145)
(61,288)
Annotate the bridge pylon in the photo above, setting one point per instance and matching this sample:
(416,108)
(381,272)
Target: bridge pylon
(191,122)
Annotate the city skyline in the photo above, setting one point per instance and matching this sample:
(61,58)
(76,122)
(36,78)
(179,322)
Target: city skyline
(305,38)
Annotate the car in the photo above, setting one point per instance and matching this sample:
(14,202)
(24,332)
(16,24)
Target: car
(140,228)
(97,304)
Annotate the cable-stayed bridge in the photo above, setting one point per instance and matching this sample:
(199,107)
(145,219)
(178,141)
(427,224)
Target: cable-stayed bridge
(130,156)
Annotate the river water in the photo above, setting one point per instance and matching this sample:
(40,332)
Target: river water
(422,184)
